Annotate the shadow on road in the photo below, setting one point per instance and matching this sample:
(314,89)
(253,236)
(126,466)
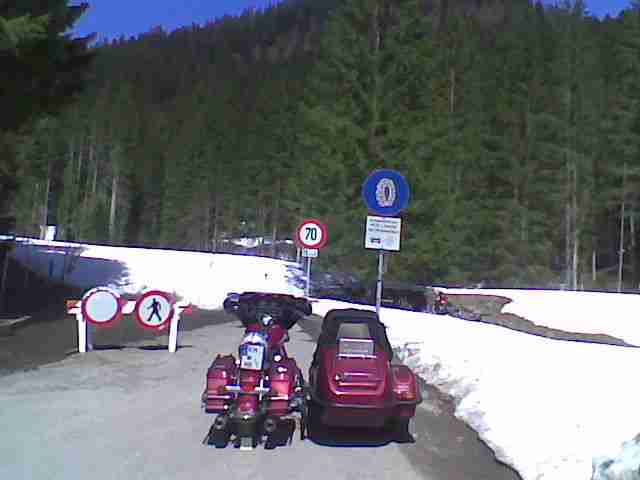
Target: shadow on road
(352,437)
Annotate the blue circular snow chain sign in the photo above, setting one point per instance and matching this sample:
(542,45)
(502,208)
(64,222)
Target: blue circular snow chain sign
(386,192)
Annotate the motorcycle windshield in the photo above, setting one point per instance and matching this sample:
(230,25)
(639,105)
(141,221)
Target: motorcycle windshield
(285,310)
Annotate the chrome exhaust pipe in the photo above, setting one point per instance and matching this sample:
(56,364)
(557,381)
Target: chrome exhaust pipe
(270,425)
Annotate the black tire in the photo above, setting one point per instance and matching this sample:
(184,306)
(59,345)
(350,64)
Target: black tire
(314,418)
(401,432)
(217,438)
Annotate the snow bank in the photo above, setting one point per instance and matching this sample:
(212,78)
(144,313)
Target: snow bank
(613,314)
(625,466)
(201,278)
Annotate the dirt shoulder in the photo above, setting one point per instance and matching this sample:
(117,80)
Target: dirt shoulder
(52,335)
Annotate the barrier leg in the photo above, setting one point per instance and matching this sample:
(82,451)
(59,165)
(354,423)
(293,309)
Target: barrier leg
(89,336)
(173,332)
(82,333)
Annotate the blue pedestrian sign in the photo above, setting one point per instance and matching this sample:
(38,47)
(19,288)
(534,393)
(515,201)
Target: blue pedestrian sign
(386,192)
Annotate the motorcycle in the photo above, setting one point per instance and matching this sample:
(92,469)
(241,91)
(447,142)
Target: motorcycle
(443,306)
(258,397)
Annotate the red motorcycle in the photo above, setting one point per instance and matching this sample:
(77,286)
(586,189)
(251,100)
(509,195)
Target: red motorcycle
(258,396)
(443,306)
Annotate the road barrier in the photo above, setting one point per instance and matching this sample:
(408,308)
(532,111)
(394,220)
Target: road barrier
(103,307)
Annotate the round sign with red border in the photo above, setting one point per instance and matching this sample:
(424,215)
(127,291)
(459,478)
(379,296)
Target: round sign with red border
(154,310)
(101,306)
(312,234)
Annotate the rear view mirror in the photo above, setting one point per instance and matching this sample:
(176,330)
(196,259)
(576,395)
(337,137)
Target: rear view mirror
(231,303)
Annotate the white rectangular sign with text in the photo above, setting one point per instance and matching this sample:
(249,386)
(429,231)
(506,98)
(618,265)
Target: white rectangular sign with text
(383,233)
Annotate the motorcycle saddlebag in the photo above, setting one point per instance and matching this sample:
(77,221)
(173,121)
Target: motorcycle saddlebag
(220,374)
(283,376)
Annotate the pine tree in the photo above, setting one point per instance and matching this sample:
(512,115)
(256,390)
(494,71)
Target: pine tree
(47,69)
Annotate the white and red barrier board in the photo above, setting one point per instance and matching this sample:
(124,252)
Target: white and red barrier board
(103,307)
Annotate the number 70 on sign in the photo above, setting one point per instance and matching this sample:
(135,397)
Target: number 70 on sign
(312,234)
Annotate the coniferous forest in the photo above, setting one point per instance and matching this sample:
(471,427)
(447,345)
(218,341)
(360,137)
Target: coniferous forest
(516,124)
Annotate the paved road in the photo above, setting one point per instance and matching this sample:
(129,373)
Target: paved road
(135,413)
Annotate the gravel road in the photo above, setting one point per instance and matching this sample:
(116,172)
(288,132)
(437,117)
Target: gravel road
(134,413)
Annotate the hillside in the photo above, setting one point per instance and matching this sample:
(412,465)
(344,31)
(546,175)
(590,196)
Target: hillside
(514,124)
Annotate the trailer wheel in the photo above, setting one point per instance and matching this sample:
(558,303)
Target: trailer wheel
(401,432)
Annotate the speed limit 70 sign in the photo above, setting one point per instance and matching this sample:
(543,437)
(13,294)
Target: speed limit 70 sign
(312,234)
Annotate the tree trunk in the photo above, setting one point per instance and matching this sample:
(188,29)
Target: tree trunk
(452,90)
(90,188)
(567,240)
(35,209)
(80,158)
(114,201)
(622,213)
(75,182)
(632,239)
(3,279)
(45,209)
(444,13)
(215,226)
(576,228)
(375,42)
(274,219)
(94,183)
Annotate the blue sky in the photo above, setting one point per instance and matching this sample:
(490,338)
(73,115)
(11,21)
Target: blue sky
(112,18)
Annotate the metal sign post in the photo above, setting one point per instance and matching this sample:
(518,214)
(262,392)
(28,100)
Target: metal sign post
(309,253)
(382,234)
(308,276)
(379,285)
(386,193)
(311,235)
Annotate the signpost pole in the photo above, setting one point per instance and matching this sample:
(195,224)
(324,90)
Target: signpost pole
(308,275)
(386,193)
(379,284)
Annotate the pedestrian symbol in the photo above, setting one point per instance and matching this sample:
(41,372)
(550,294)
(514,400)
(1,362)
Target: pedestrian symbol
(155,307)
(154,310)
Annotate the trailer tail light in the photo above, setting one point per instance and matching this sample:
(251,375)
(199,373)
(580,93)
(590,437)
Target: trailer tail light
(404,392)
